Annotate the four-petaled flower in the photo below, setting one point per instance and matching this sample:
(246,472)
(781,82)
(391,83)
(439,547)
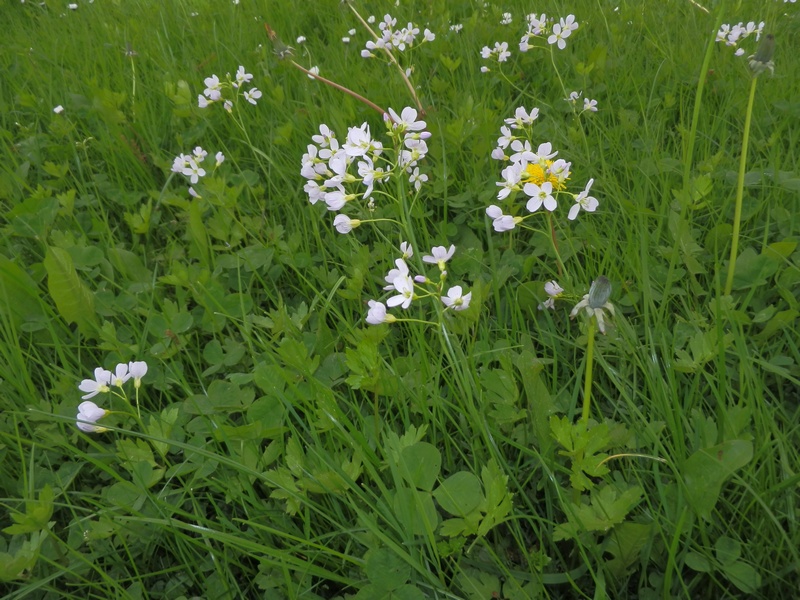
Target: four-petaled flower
(439,255)
(456,299)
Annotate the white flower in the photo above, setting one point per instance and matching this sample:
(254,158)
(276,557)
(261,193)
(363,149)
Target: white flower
(58,109)
(345,224)
(500,221)
(406,121)
(252,96)
(120,375)
(455,299)
(507,18)
(590,105)
(88,414)
(416,179)
(138,369)
(212,91)
(193,170)
(439,255)
(522,118)
(553,290)
(228,105)
(301,39)
(404,286)
(98,385)
(377,314)
(313,71)
(402,269)
(540,195)
(407,250)
(242,77)
(573,97)
(559,35)
(202,101)
(220,158)
(583,201)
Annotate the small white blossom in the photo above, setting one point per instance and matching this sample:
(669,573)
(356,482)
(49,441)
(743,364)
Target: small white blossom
(455,299)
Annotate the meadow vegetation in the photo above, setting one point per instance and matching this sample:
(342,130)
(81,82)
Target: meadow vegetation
(510,311)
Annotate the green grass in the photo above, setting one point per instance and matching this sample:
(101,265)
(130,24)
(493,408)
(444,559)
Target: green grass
(286,448)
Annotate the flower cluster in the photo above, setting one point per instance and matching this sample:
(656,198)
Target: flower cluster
(537,27)
(538,174)
(541,26)
(733,34)
(88,412)
(341,174)
(216,90)
(400,281)
(399,39)
(588,105)
(191,166)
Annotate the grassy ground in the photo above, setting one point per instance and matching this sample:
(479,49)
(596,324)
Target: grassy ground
(279,446)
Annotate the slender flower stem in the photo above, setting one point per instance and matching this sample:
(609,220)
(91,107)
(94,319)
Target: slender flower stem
(587,379)
(737,214)
(341,88)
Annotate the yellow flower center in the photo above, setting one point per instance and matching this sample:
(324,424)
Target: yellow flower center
(534,173)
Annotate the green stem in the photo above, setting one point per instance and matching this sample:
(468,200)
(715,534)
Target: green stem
(587,380)
(737,214)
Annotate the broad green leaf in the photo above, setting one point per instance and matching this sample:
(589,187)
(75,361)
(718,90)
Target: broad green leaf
(459,494)
(74,301)
(386,569)
(705,471)
(743,575)
(419,465)
(698,562)
(727,550)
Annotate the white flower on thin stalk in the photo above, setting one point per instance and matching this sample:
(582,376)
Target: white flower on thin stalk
(120,375)
(559,36)
(137,369)
(455,298)
(583,201)
(377,313)
(589,105)
(540,196)
(439,256)
(242,77)
(252,96)
(553,290)
(404,286)
(512,175)
(88,414)
(522,118)
(406,120)
(402,269)
(345,224)
(502,222)
(407,250)
(213,89)
(98,385)
(417,179)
